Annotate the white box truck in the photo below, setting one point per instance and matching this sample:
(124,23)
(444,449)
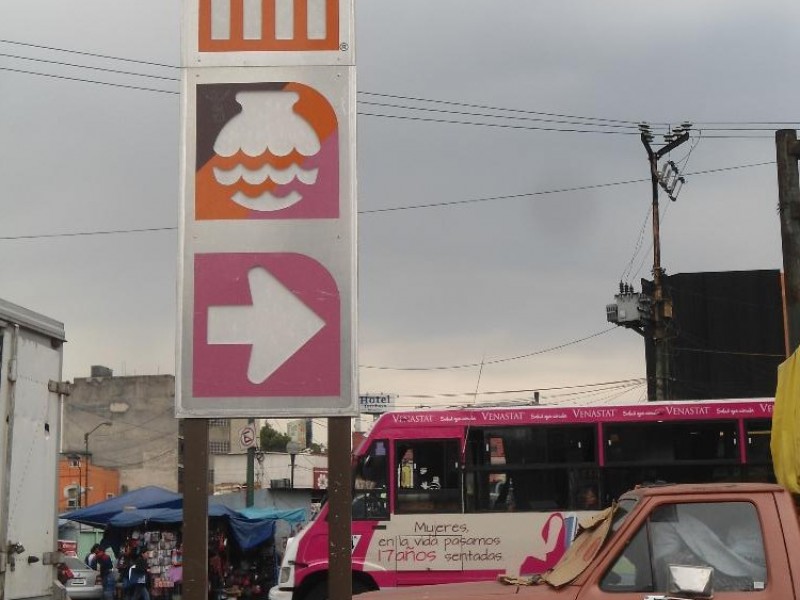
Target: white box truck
(31,349)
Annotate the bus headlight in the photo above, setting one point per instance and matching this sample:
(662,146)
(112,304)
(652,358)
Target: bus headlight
(286,575)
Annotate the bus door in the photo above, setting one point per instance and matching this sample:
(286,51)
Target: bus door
(428,523)
(370,512)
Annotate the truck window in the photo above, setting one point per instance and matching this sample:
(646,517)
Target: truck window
(723,535)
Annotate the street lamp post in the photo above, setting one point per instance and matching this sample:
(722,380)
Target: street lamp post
(86,454)
(293,448)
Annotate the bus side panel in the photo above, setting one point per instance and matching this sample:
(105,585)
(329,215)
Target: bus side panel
(439,548)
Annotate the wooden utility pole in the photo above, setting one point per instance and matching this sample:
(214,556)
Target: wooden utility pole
(788,152)
(195,509)
(340,501)
(661,306)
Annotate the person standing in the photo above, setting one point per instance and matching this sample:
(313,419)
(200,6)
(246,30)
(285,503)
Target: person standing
(137,579)
(89,560)
(105,566)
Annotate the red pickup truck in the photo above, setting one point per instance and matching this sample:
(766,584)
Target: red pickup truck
(729,541)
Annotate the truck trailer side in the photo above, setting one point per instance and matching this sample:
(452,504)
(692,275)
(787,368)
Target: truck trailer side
(30,403)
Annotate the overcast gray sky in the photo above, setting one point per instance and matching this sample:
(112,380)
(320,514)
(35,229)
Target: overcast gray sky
(516,272)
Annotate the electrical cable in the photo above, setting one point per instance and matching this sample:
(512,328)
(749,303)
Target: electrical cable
(491,362)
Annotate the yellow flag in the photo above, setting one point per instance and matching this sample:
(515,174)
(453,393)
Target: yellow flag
(785,444)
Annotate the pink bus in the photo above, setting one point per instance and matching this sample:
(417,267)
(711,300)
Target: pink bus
(464,495)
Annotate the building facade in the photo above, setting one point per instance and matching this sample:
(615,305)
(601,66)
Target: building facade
(72,479)
(127,424)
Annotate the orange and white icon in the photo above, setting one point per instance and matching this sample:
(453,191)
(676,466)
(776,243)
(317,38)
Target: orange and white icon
(266,151)
(268,25)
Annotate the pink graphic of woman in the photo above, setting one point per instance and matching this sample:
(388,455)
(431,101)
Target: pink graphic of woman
(554,546)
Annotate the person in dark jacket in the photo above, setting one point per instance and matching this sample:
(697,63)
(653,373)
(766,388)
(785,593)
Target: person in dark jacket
(106,567)
(137,579)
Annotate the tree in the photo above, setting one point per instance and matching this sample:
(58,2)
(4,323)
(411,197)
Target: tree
(272,440)
(316,448)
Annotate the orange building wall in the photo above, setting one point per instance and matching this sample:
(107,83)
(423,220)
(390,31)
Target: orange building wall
(103,483)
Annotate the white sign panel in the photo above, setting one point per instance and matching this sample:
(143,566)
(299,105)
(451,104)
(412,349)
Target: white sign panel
(376,403)
(268,250)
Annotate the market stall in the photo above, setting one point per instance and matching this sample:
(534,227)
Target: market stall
(243,562)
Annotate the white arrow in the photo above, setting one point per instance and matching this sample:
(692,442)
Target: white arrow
(276,325)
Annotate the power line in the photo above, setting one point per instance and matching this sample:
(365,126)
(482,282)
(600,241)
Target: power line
(554,191)
(731,353)
(497,125)
(396,208)
(104,70)
(474,114)
(601,121)
(92,54)
(106,83)
(85,233)
(471,393)
(492,362)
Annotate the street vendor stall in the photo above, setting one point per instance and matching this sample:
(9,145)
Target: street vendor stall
(243,562)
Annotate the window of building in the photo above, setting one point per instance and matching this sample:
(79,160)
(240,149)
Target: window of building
(71,492)
(219,447)
(75,463)
(218,422)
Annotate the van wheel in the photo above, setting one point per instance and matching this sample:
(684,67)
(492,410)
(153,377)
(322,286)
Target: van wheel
(359,587)
(320,590)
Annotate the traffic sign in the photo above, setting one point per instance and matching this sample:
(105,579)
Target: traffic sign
(247,436)
(268,243)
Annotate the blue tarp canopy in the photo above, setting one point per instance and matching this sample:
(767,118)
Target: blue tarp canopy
(98,515)
(141,516)
(249,526)
(293,516)
(249,533)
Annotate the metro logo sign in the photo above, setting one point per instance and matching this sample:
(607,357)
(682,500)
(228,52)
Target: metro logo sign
(268,25)
(268,250)
(266,151)
(226,33)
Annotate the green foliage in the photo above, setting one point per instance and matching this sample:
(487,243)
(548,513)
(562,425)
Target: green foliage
(272,440)
(317,448)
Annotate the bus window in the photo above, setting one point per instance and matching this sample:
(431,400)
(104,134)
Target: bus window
(370,483)
(530,468)
(758,433)
(656,443)
(427,476)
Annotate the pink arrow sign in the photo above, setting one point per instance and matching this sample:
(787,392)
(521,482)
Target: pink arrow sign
(265,324)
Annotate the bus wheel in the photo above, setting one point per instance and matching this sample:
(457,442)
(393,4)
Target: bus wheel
(320,590)
(359,587)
